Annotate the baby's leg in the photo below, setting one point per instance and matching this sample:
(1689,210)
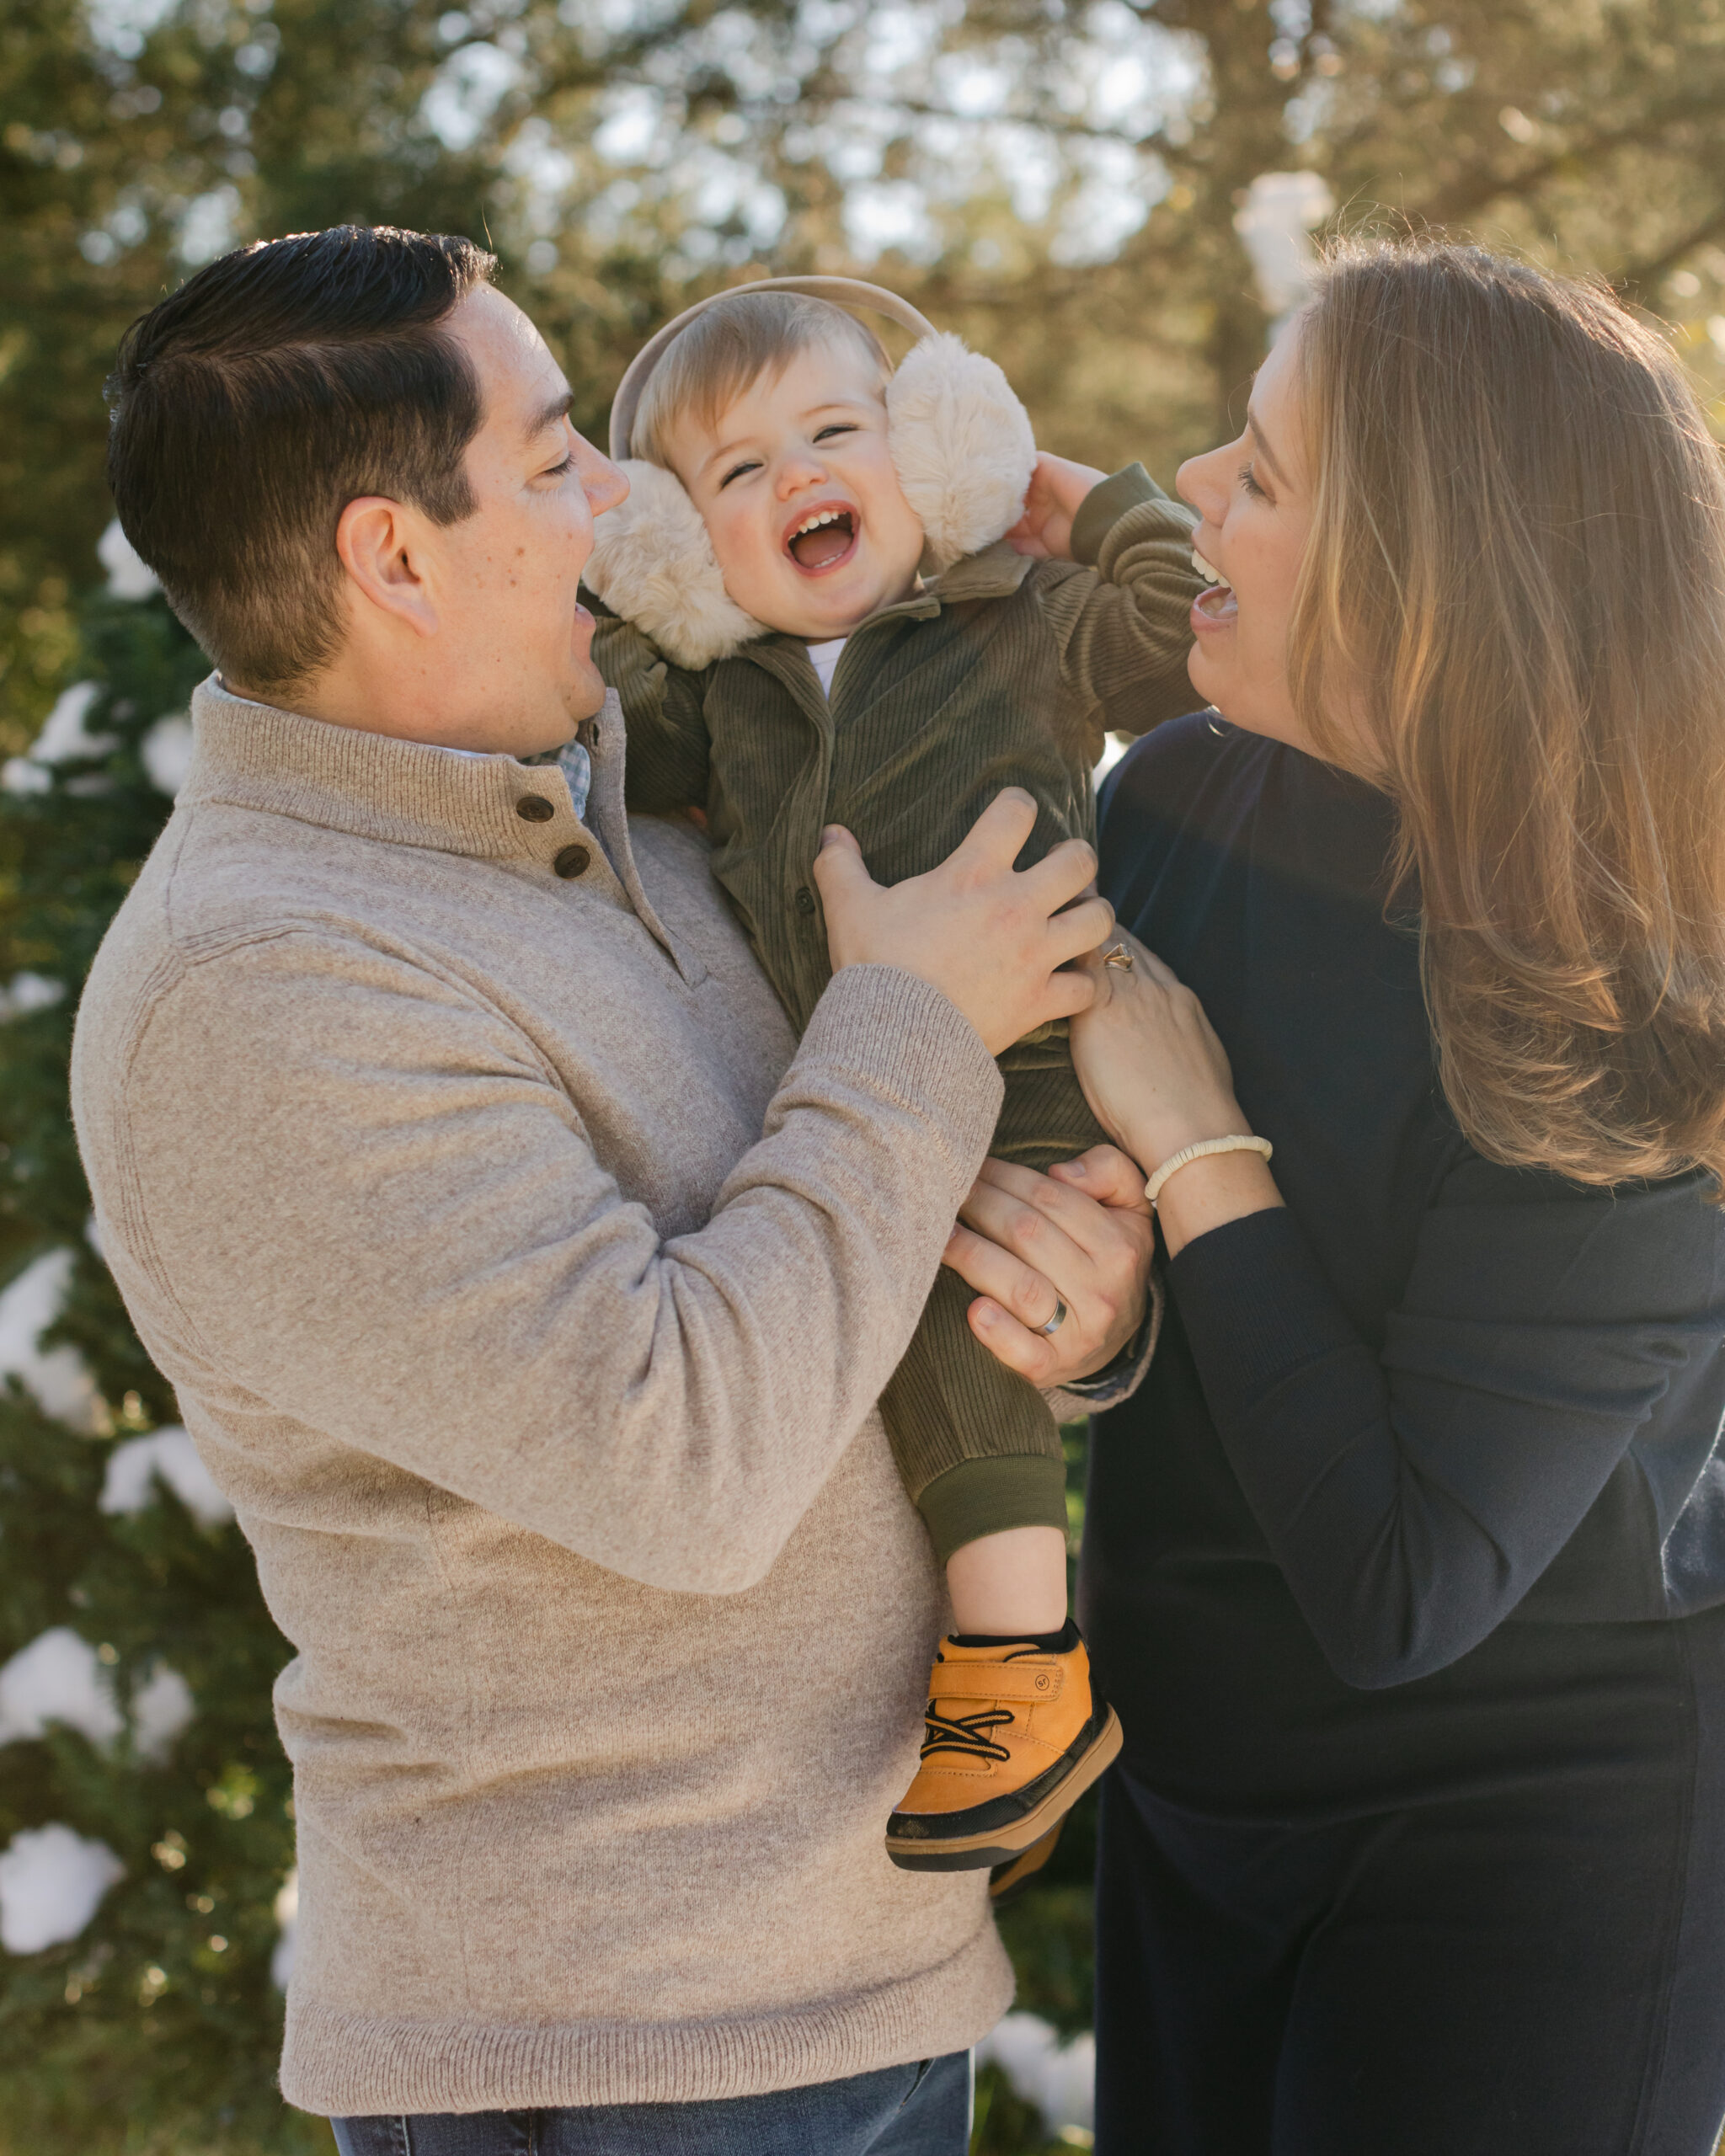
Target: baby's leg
(1015,1735)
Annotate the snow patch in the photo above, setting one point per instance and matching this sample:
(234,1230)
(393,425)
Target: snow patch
(1059,2078)
(161,1708)
(130,576)
(56,1377)
(26,992)
(51,1884)
(130,1484)
(57,1678)
(288,1917)
(63,737)
(167,751)
(18,775)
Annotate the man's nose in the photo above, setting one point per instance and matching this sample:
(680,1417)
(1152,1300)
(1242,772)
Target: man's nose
(602,481)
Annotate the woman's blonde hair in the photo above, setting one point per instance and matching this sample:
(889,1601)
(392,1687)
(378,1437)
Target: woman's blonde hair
(1516,588)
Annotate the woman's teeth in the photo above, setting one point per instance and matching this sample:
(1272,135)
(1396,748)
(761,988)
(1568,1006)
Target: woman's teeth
(1207,569)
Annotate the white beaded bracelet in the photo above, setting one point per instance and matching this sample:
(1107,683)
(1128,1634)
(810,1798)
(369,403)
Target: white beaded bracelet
(1202,1151)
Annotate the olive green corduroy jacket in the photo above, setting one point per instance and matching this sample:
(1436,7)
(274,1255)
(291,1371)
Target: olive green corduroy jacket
(1004,671)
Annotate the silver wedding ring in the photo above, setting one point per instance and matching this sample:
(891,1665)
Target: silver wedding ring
(1057,1321)
(1119,956)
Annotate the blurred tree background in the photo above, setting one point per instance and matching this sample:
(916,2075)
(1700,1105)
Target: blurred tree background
(1109,195)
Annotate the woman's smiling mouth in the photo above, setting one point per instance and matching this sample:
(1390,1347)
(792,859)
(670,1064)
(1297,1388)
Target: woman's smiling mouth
(823,538)
(1215,608)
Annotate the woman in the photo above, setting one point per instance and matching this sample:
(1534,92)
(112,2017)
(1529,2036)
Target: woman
(1407,1567)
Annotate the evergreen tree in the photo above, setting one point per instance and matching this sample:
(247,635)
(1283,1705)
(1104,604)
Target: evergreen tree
(142,1627)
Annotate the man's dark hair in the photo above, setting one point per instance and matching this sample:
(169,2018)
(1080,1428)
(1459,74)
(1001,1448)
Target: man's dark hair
(273,388)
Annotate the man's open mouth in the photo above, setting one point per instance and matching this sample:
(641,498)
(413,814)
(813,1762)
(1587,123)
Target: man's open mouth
(823,538)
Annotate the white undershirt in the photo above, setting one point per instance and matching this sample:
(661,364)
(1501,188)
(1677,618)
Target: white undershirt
(824,658)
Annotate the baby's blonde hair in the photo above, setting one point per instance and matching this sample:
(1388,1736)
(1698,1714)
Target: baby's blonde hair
(731,344)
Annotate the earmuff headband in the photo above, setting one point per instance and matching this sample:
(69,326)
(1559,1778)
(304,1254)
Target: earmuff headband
(843,291)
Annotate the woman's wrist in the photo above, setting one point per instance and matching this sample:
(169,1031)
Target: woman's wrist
(1212,1190)
(1153,1145)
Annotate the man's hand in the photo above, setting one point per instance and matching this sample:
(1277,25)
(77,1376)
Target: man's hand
(1057,491)
(1080,1235)
(990,939)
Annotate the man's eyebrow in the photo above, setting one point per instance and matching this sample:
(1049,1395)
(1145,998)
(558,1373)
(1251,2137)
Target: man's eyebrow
(1266,453)
(556,409)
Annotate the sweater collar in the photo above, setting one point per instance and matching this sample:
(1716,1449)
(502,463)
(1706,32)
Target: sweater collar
(256,756)
(251,756)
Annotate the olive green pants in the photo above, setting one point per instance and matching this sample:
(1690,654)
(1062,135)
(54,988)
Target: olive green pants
(976,1445)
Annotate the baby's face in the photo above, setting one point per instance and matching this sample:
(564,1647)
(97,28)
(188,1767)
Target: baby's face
(795,481)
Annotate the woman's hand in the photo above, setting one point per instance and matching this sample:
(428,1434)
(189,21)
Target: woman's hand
(1080,1235)
(1057,491)
(1151,1067)
(1158,1080)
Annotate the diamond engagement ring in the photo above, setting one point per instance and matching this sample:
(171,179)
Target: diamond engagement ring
(1119,956)
(1057,1321)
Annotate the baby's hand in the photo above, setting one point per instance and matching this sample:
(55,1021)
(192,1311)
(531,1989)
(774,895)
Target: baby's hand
(1057,491)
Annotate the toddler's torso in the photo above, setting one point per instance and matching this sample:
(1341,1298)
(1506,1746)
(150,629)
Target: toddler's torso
(935,707)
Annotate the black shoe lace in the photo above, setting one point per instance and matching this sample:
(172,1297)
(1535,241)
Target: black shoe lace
(966,1733)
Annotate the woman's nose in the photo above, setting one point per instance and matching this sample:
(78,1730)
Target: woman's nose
(1202,481)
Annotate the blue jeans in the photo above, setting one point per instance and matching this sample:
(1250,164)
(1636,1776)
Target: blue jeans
(902,2110)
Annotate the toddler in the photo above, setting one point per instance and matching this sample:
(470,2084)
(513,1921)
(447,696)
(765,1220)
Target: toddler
(784,663)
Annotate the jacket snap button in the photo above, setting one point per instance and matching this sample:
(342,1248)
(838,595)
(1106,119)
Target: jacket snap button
(573,861)
(804,900)
(534,809)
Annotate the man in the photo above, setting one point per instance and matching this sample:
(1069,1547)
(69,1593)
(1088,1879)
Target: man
(524,1283)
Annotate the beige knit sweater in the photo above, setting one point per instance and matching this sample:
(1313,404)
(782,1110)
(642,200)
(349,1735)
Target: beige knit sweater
(542,1381)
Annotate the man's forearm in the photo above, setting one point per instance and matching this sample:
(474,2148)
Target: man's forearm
(430,1263)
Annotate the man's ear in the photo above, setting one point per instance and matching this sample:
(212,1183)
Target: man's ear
(383,546)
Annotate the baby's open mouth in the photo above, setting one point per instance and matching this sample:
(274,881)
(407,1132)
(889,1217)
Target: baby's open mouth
(823,539)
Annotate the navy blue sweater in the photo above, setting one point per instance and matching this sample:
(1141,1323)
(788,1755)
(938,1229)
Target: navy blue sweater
(1432,1405)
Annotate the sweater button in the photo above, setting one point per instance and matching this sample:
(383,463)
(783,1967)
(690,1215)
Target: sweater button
(534,809)
(804,900)
(573,861)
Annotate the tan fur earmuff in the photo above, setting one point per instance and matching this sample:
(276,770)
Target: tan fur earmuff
(960,441)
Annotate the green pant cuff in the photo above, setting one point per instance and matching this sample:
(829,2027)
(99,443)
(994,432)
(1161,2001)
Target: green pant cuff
(987,1497)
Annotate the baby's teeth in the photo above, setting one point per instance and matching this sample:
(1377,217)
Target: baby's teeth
(1209,570)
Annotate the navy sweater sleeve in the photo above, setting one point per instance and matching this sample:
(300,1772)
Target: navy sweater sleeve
(1412,1494)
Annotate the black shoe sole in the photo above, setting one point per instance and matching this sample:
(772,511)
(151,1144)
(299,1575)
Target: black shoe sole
(1007,1882)
(945,1843)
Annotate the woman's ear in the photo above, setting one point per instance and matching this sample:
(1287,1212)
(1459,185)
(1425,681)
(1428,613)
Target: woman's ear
(962,443)
(652,563)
